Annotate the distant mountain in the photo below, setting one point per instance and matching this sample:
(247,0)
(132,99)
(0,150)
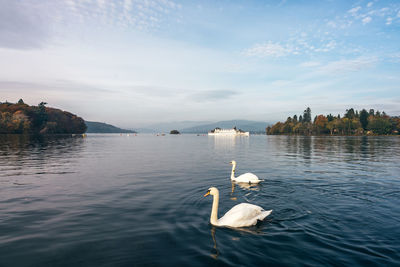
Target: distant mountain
(145,130)
(166,127)
(100,127)
(245,125)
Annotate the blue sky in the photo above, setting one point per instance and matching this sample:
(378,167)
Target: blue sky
(133,63)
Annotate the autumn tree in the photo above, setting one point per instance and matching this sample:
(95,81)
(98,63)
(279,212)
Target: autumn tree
(320,124)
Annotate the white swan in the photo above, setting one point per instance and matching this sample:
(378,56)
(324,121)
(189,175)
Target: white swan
(241,215)
(244,178)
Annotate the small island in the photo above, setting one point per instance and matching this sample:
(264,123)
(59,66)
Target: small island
(352,123)
(174,132)
(20,118)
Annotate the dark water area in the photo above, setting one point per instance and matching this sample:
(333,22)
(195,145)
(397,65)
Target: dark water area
(111,200)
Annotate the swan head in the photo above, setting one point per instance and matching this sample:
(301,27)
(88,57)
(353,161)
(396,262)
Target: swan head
(212,191)
(232,162)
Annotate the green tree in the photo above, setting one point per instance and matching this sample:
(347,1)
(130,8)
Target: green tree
(379,125)
(40,118)
(371,112)
(349,113)
(307,115)
(364,119)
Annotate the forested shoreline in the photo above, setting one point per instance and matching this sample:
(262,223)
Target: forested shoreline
(20,118)
(353,122)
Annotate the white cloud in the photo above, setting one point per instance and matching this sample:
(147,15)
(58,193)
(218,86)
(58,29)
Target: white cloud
(331,45)
(326,47)
(332,24)
(310,64)
(212,95)
(389,21)
(267,50)
(138,14)
(23,25)
(383,11)
(348,65)
(101,4)
(366,20)
(127,5)
(354,10)
(370,4)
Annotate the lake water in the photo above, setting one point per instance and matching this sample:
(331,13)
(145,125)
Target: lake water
(111,200)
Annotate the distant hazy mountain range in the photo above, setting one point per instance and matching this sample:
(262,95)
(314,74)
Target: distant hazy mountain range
(245,125)
(183,127)
(166,127)
(100,127)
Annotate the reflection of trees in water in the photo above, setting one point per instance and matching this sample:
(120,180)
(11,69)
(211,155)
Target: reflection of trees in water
(366,147)
(299,146)
(22,153)
(328,148)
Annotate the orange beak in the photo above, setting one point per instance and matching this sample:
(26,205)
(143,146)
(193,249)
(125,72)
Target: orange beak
(206,194)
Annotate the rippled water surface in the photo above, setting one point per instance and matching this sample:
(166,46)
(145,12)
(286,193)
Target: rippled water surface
(111,200)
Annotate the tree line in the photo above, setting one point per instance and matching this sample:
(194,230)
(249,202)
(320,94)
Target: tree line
(353,122)
(20,118)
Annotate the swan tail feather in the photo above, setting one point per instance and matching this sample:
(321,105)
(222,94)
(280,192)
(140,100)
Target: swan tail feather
(264,214)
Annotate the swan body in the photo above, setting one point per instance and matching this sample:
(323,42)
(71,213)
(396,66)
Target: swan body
(241,215)
(244,178)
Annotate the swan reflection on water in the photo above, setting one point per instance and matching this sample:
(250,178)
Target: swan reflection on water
(216,251)
(245,186)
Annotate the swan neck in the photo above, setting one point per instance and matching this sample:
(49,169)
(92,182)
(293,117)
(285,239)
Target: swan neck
(214,210)
(233,171)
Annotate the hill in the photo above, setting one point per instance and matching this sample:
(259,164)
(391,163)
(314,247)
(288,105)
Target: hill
(21,118)
(168,126)
(100,127)
(245,125)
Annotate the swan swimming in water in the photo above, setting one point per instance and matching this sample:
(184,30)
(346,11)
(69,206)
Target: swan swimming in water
(241,215)
(244,178)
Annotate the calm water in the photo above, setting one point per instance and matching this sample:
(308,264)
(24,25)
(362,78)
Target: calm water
(111,200)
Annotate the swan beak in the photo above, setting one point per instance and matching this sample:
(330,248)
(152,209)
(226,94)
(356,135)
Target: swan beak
(206,194)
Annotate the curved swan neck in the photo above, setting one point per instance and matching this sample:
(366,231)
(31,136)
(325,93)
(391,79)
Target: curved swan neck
(214,210)
(233,171)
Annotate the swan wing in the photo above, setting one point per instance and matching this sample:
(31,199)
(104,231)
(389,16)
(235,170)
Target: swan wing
(242,215)
(247,177)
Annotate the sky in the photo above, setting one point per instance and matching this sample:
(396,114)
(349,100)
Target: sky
(132,63)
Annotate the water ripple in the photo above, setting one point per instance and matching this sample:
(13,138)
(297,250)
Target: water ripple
(109,200)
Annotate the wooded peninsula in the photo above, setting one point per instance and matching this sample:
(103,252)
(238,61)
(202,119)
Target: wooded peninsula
(352,123)
(21,118)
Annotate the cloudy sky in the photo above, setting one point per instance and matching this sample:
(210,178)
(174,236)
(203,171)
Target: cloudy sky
(137,62)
